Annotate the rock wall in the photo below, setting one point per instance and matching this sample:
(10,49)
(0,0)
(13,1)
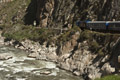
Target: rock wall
(88,54)
(75,55)
(62,13)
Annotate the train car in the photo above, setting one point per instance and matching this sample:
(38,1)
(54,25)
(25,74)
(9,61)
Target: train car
(114,26)
(81,24)
(99,25)
(96,25)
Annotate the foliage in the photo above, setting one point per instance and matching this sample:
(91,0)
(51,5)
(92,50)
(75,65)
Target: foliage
(66,36)
(21,32)
(94,46)
(110,77)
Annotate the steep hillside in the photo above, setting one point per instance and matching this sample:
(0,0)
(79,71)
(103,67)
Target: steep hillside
(85,53)
(61,13)
(13,12)
(58,13)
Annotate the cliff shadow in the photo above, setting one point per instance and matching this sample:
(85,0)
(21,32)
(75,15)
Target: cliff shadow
(31,11)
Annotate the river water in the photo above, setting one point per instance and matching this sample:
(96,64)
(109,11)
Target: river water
(20,67)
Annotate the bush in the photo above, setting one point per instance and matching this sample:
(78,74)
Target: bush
(110,77)
(94,46)
(21,32)
(66,36)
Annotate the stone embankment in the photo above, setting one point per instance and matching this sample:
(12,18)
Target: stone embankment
(81,63)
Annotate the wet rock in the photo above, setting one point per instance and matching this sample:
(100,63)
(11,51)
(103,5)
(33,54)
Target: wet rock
(22,47)
(5,56)
(64,65)
(52,56)
(45,72)
(41,57)
(33,55)
(2,40)
(77,73)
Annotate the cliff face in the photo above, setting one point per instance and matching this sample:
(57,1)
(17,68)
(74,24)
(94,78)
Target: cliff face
(55,13)
(64,13)
(86,53)
(60,13)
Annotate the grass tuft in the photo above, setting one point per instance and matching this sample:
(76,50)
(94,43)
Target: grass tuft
(110,77)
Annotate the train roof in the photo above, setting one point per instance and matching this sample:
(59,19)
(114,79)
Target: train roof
(103,22)
(96,22)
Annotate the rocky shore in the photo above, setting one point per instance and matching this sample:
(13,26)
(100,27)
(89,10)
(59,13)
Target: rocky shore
(81,63)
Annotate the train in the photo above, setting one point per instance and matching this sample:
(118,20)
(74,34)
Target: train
(99,25)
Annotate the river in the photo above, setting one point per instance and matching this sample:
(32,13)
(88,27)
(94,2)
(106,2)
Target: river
(20,67)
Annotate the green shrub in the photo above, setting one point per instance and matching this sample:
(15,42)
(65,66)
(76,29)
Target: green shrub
(94,46)
(21,32)
(110,77)
(85,35)
(66,36)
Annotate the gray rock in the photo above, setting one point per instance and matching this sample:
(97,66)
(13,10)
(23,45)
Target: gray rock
(107,69)
(33,55)
(77,73)
(5,56)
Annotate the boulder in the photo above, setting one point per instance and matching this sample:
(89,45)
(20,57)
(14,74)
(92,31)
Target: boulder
(45,73)
(77,73)
(107,69)
(5,56)
(93,72)
(33,55)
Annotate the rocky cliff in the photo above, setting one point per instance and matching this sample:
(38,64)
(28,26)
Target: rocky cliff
(86,53)
(61,13)
(58,13)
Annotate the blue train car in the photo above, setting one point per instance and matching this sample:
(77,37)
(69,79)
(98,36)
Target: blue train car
(100,25)
(96,25)
(114,26)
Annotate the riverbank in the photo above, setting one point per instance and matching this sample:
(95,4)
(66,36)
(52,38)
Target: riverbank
(21,67)
(81,62)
